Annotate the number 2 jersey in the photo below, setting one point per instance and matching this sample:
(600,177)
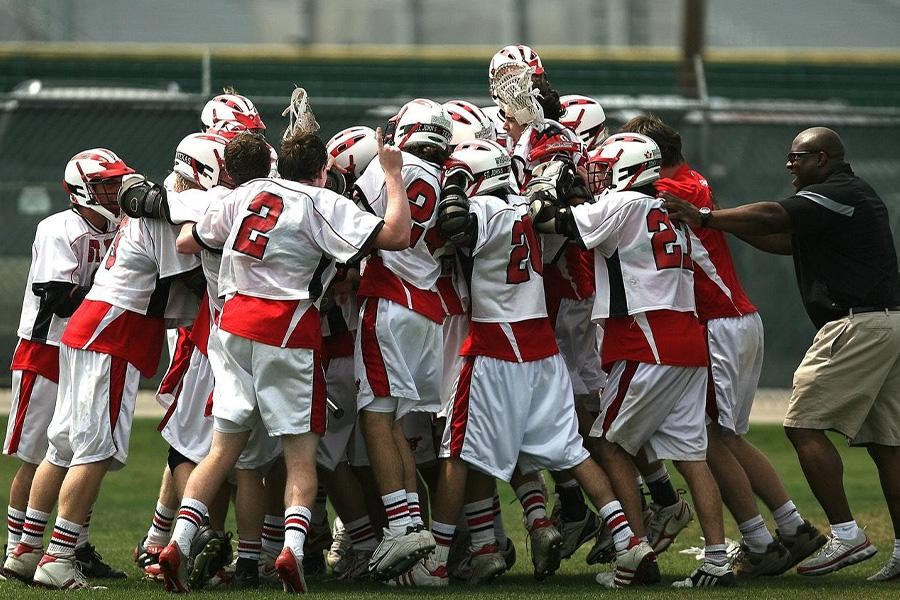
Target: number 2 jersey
(66,250)
(509,315)
(279,239)
(406,277)
(644,280)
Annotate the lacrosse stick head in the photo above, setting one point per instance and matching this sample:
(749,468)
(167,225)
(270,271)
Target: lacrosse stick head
(514,93)
(300,116)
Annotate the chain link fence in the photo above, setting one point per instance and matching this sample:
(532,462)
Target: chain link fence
(739,145)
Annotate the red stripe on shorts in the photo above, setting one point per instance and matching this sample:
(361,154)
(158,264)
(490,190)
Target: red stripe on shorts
(376,372)
(460,416)
(117,369)
(624,381)
(26,387)
(317,410)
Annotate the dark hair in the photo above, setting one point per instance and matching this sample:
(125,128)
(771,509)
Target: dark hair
(303,156)
(429,153)
(666,137)
(247,157)
(549,99)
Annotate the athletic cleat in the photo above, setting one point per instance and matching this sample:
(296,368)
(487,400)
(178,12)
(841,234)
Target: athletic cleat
(708,575)
(59,573)
(176,569)
(577,533)
(267,572)
(667,523)
(509,554)
(91,564)
(804,543)
(635,566)
(481,566)
(546,542)
(396,554)
(353,565)
(146,554)
(837,554)
(210,552)
(422,574)
(774,561)
(22,562)
(604,550)
(340,544)
(889,572)
(153,573)
(290,572)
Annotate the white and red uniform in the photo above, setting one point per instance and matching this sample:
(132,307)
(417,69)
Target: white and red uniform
(653,345)
(136,293)
(66,250)
(278,239)
(399,343)
(734,330)
(513,400)
(454,291)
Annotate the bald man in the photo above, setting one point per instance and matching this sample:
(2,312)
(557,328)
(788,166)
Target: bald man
(838,231)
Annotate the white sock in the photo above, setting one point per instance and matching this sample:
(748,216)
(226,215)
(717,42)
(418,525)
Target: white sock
(756,535)
(190,517)
(787,518)
(897,548)
(845,531)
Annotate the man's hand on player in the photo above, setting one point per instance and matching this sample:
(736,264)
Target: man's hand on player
(680,210)
(391,158)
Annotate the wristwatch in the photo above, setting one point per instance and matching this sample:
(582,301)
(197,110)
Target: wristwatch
(705,214)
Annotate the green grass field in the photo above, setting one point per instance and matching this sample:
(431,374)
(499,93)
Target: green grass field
(126,502)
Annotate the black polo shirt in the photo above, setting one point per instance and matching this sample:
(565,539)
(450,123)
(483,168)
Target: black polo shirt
(844,253)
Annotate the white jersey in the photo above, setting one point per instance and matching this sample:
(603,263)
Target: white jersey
(66,249)
(203,202)
(641,261)
(417,264)
(506,273)
(136,272)
(279,237)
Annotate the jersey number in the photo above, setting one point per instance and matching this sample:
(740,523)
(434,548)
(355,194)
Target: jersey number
(251,239)
(525,250)
(667,250)
(422,202)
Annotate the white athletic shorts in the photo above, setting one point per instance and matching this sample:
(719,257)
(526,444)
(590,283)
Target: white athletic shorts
(660,408)
(341,388)
(735,363)
(33,401)
(94,409)
(283,388)
(506,413)
(418,433)
(398,354)
(456,329)
(188,425)
(579,345)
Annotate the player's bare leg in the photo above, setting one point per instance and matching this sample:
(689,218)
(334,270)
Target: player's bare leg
(249,513)
(384,453)
(20,488)
(887,459)
(824,471)
(619,467)
(45,486)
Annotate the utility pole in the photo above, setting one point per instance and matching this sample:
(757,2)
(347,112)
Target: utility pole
(693,37)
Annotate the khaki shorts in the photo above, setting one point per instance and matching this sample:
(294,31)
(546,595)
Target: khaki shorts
(849,380)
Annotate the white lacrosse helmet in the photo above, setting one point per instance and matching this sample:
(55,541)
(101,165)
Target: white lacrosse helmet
(353,149)
(584,116)
(497,121)
(89,168)
(624,161)
(200,158)
(485,162)
(423,121)
(231,108)
(516,53)
(469,122)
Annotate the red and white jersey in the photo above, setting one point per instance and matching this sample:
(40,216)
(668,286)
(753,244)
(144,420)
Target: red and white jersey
(645,283)
(417,264)
(642,262)
(452,286)
(203,202)
(66,249)
(718,290)
(535,147)
(135,274)
(508,313)
(279,239)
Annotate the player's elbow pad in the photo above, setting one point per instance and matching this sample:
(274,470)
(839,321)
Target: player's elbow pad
(62,298)
(550,218)
(454,221)
(140,198)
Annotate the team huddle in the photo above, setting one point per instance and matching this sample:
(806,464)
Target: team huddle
(393,321)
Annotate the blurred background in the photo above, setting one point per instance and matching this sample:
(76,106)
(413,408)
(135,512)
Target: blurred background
(738,79)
